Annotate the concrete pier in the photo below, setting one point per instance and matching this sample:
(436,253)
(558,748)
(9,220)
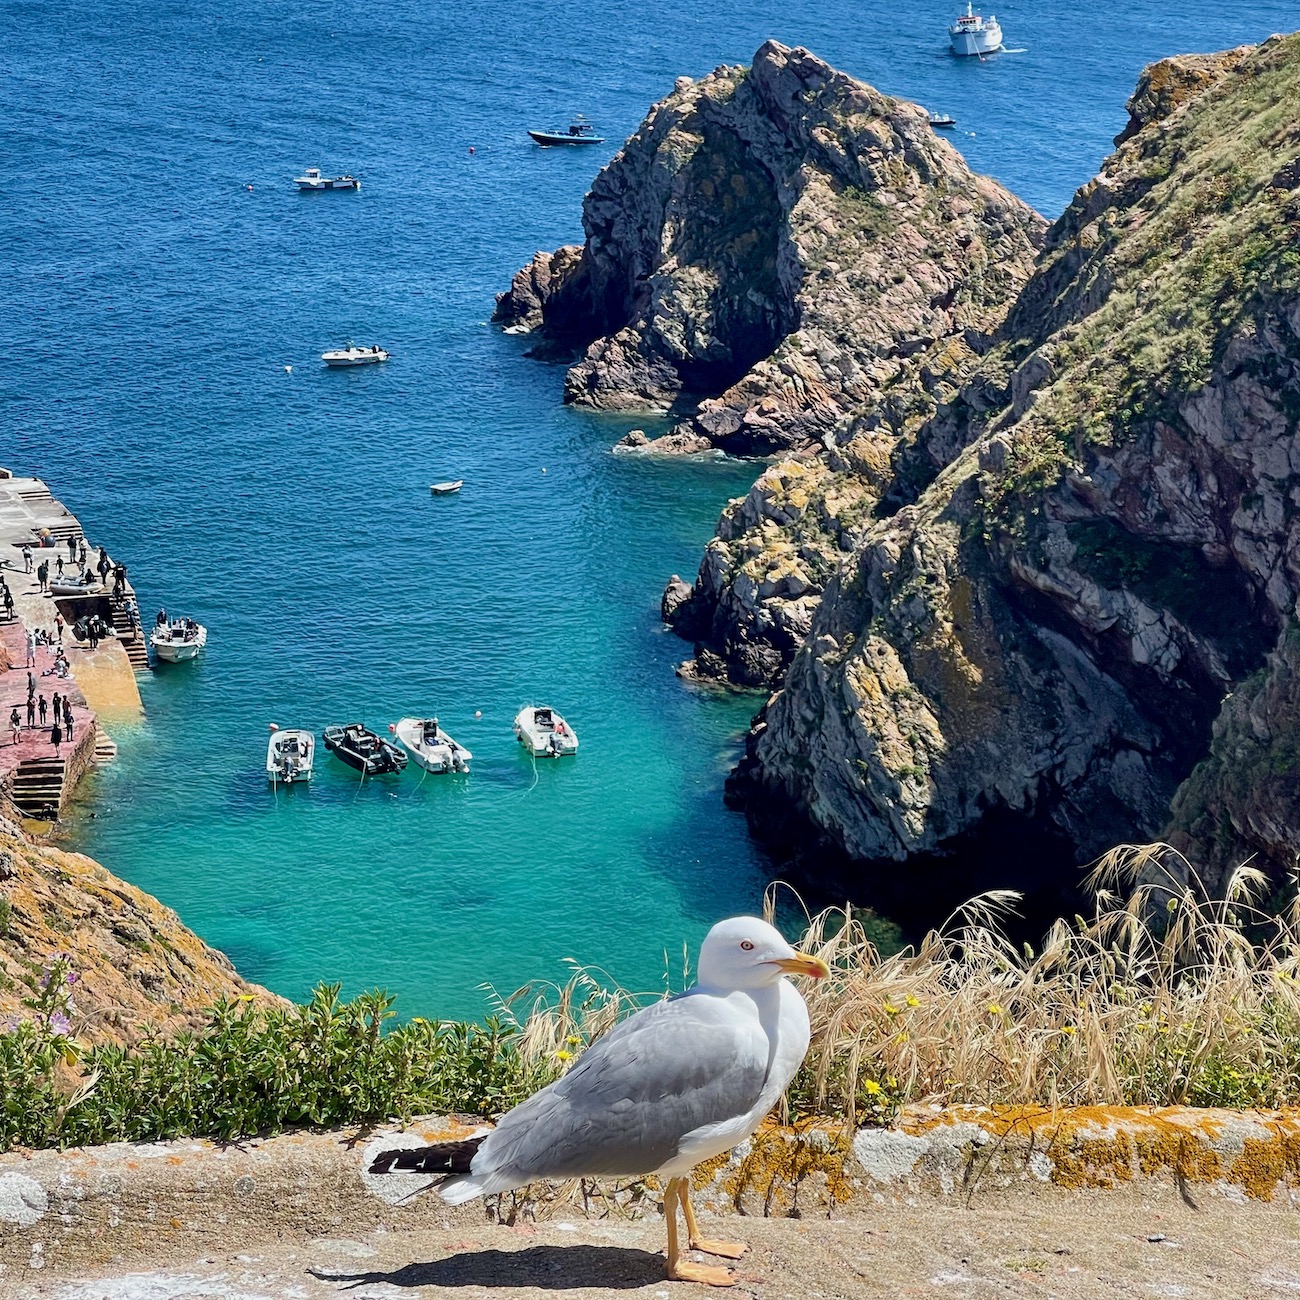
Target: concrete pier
(34,776)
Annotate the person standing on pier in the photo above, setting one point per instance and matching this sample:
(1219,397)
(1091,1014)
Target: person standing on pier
(31,649)
(81,553)
(43,708)
(58,625)
(9,602)
(104,565)
(31,713)
(56,736)
(72,548)
(92,631)
(67,718)
(58,566)
(15,727)
(27,558)
(42,574)
(57,706)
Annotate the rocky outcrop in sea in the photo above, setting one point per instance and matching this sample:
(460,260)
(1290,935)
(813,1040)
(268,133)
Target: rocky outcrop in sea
(793,263)
(1025,573)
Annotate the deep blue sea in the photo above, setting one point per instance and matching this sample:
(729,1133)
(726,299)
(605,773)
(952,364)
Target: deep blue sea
(149,304)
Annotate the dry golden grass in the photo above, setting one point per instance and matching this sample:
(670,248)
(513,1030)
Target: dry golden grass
(1161,996)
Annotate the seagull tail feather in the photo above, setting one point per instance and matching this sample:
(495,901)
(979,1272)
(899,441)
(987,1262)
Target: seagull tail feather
(456,1191)
(437,1158)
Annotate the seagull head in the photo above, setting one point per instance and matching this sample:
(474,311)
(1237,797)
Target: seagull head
(746,953)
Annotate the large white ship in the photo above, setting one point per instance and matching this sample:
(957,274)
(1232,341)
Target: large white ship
(972,34)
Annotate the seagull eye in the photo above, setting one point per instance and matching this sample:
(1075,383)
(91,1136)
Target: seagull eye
(746,946)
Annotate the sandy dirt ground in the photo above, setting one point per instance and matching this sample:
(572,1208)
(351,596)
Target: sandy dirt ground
(1028,1244)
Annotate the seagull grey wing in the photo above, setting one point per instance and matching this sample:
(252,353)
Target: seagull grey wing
(633,1096)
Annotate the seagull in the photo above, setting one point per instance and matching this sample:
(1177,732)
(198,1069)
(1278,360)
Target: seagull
(679,1082)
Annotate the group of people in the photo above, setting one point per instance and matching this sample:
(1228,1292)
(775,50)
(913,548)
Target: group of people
(60,708)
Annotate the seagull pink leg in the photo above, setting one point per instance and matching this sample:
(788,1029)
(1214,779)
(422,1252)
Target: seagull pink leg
(726,1249)
(684,1270)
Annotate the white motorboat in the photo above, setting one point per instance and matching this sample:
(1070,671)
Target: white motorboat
(974,35)
(312,180)
(431,747)
(179,640)
(289,755)
(544,733)
(354,356)
(443,489)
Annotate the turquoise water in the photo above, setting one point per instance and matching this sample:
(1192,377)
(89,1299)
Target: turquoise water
(150,303)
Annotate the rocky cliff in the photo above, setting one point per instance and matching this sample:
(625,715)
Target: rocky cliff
(1026,575)
(1083,631)
(138,969)
(794,263)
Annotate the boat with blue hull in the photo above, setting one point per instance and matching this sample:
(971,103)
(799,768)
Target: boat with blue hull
(580,132)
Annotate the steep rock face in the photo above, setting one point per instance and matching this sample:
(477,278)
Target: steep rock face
(745,254)
(798,265)
(139,969)
(1047,635)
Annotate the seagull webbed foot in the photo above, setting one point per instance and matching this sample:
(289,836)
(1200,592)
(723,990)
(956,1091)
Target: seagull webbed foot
(725,1249)
(684,1270)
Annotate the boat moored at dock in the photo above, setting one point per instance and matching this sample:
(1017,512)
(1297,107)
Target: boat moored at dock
(431,747)
(973,35)
(311,180)
(545,734)
(353,356)
(289,755)
(370,754)
(178,640)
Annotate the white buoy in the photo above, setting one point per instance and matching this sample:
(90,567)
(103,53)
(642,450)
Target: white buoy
(543,469)
(478,713)
(288,370)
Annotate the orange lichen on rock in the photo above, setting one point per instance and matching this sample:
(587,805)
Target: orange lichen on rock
(1108,1146)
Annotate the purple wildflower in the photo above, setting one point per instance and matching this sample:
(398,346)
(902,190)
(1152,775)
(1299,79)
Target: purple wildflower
(59,1025)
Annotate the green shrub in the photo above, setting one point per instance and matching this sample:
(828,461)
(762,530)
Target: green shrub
(254,1070)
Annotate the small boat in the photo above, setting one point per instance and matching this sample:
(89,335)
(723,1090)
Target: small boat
(178,640)
(354,356)
(544,733)
(580,132)
(289,755)
(75,586)
(974,35)
(362,749)
(942,120)
(442,489)
(431,747)
(311,180)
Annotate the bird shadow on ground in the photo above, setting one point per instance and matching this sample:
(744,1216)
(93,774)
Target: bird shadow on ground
(557,1268)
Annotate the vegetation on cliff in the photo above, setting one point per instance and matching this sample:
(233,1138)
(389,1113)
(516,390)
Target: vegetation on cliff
(1161,996)
(1044,643)
(141,970)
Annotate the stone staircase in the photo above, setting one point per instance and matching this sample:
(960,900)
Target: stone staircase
(105,748)
(38,787)
(130,637)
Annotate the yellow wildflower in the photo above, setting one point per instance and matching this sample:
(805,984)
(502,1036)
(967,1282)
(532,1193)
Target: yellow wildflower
(573,1040)
(245,997)
(890,1009)
(913,1002)
(872,1088)
(1067,1029)
(562,1055)
(995,1009)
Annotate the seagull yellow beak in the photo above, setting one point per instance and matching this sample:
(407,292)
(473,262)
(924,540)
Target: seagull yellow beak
(803,964)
